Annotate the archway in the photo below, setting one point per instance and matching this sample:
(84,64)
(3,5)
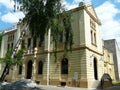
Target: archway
(95,69)
(29,69)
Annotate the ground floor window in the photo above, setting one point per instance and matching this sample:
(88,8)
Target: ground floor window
(40,67)
(20,69)
(95,69)
(64,66)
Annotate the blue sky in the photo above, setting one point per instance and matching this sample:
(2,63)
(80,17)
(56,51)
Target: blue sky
(108,12)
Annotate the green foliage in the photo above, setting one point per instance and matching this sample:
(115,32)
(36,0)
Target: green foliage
(43,15)
(13,61)
(116,83)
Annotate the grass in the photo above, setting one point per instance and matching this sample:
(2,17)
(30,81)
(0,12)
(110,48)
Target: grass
(116,83)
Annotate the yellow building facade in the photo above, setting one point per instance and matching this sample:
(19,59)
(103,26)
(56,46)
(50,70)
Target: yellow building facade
(83,67)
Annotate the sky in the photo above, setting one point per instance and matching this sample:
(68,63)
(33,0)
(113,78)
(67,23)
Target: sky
(108,11)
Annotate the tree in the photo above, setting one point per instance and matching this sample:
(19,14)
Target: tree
(10,62)
(43,15)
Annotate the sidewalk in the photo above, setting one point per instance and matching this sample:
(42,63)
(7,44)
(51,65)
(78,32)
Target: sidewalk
(44,87)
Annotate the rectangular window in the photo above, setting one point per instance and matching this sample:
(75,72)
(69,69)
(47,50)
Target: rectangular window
(93,31)
(23,43)
(11,45)
(61,37)
(20,69)
(91,36)
(34,43)
(40,67)
(95,38)
(8,47)
(12,37)
(29,42)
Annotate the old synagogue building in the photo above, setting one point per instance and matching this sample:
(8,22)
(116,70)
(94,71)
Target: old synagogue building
(83,67)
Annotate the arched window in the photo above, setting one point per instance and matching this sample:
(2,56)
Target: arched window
(40,67)
(95,69)
(64,66)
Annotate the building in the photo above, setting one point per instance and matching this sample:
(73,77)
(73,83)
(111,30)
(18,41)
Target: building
(113,47)
(83,67)
(109,63)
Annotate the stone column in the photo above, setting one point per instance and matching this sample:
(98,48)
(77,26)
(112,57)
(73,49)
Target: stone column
(23,71)
(34,70)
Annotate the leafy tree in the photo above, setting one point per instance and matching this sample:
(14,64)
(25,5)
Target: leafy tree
(10,62)
(43,15)
(13,61)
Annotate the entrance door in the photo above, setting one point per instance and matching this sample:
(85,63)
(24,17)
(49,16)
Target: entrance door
(29,70)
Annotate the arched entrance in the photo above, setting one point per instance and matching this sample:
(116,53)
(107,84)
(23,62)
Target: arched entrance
(95,69)
(29,70)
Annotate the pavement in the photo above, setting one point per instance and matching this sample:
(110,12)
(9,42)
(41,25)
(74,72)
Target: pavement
(26,84)
(44,87)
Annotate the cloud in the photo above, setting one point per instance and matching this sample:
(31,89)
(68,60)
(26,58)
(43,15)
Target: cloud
(6,15)
(12,17)
(107,13)
(74,4)
(9,4)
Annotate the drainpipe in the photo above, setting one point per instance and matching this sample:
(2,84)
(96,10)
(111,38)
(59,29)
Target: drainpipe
(48,58)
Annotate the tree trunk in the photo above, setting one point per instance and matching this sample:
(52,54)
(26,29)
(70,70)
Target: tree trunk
(5,71)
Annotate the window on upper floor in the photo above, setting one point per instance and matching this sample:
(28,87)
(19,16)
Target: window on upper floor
(23,44)
(95,38)
(10,37)
(91,36)
(93,32)
(61,37)
(34,43)
(29,42)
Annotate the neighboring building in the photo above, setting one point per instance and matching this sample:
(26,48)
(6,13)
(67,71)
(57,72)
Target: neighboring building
(84,67)
(109,63)
(113,47)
